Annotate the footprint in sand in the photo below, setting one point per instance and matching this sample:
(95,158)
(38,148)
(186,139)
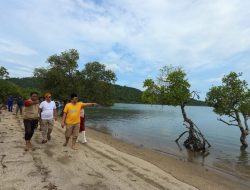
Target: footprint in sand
(131,177)
(96,174)
(113,168)
(64,159)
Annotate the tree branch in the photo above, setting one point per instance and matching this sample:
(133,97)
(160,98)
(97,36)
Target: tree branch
(180,136)
(233,117)
(195,94)
(202,136)
(186,125)
(231,124)
(232,120)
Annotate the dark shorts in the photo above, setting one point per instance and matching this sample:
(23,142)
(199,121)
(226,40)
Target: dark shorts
(30,125)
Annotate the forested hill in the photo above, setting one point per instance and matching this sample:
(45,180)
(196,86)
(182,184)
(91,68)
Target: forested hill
(27,82)
(122,94)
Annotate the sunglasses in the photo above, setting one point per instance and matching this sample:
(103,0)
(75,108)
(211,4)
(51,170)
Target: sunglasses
(48,97)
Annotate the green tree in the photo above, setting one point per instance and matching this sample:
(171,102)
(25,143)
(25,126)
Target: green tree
(173,88)
(60,77)
(98,83)
(232,99)
(8,88)
(151,94)
(3,73)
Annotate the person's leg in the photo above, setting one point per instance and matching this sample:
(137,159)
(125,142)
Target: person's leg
(84,130)
(50,128)
(33,127)
(27,133)
(84,137)
(68,133)
(75,135)
(80,139)
(44,128)
(11,107)
(21,110)
(17,107)
(81,136)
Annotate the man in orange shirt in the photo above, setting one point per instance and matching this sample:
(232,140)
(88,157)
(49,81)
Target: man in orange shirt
(71,118)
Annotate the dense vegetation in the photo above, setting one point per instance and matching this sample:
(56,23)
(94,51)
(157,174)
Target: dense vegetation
(124,94)
(94,83)
(121,94)
(26,82)
(62,77)
(9,88)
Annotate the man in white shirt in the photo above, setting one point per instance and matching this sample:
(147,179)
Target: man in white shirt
(47,112)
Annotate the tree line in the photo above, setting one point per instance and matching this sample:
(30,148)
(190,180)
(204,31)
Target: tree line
(61,77)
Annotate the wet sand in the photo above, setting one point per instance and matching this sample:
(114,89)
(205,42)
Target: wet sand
(103,163)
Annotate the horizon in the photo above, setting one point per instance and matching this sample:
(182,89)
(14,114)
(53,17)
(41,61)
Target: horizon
(208,39)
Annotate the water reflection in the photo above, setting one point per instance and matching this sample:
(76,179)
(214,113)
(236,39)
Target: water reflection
(112,114)
(101,128)
(242,165)
(244,156)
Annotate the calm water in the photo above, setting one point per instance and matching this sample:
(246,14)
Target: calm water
(156,127)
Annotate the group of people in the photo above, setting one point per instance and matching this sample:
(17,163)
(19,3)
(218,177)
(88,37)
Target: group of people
(19,103)
(45,113)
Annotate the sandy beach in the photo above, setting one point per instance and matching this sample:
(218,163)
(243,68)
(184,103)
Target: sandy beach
(103,163)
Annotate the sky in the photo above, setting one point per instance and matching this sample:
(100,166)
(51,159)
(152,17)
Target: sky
(134,38)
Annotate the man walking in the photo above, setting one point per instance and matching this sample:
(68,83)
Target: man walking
(30,118)
(47,112)
(10,103)
(71,118)
(19,105)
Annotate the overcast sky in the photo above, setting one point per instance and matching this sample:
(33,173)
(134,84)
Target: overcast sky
(134,38)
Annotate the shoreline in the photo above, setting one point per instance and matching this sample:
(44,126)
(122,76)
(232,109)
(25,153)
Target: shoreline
(191,173)
(103,163)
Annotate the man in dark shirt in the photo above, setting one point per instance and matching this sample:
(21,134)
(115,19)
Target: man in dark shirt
(19,105)
(10,103)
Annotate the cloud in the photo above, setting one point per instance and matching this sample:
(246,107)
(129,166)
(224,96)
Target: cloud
(135,38)
(15,48)
(214,80)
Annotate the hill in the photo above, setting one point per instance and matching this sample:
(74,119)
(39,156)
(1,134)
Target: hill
(122,94)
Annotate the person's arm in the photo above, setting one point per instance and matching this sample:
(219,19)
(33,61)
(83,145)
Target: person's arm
(88,104)
(40,109)
(55,111)
(29,103)
(65,112)
(39,112)
(55,114)
(63,119)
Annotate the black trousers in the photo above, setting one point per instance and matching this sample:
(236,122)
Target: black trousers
(30,126)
